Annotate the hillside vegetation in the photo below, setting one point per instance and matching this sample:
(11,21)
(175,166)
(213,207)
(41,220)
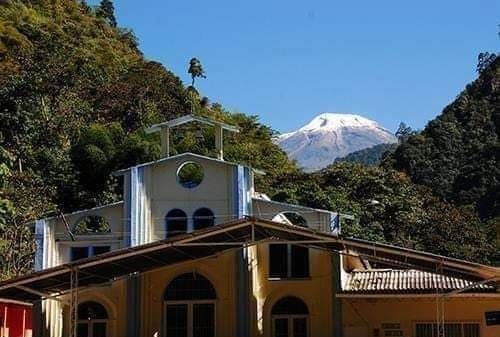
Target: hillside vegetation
(369,156)
(438,190)
(75,96)
(457,154)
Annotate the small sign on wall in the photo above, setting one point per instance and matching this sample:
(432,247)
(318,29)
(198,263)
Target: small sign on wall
(492,317)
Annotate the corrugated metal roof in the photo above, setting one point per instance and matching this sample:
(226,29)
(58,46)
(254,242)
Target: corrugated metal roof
(406,281)
(109,267)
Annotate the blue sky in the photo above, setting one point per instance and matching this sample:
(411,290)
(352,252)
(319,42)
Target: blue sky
(287,61)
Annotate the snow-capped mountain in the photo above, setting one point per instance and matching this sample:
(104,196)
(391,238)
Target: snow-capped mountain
(332,135)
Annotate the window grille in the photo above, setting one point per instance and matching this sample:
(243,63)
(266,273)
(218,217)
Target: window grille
(451,329)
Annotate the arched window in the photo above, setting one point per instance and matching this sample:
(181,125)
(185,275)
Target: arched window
(291,218)
(290,318)
(91,224)
(203,218)
(189,287)
(176,222)
(190,306)
(92,320)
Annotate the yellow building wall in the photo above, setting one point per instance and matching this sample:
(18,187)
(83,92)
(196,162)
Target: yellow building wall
(359,316)
(220,271)
(362,316)
(113,297)
(315,291)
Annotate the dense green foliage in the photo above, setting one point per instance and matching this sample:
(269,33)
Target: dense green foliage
(76,95)
(5,205)
(106,10)
(370,156)
(388,207)
(457,154)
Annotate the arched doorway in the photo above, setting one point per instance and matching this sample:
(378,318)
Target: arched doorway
(190,307)
(92,320)
(176,222)
(290,318)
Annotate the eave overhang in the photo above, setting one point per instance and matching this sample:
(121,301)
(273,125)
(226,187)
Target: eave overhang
(208,242)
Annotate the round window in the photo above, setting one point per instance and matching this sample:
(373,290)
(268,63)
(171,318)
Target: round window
(190,174)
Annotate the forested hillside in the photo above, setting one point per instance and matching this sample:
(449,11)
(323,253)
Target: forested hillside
(457,154)
(389,208)
(369,156)
(75,96)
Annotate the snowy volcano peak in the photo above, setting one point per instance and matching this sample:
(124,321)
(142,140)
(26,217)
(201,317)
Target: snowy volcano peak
(331,135)
(333,121)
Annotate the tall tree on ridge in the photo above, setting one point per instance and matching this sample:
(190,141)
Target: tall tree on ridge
(404,131)
(196,70)
(107,10)
(484,60)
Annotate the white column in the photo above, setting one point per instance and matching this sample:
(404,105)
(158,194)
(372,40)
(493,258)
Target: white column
(165,141)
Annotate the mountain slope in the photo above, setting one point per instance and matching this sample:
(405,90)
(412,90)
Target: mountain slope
(332,135)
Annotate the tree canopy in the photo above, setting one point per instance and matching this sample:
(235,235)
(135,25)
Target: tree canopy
(76,94)
(457,154)
(389,208)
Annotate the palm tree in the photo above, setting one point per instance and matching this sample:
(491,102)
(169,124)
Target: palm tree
(195,69)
